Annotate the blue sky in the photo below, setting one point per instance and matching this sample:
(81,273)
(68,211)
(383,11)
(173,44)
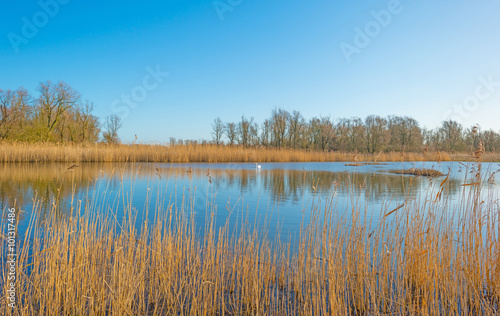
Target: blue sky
(428,60)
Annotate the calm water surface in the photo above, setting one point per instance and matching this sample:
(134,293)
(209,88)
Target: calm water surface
(278,194)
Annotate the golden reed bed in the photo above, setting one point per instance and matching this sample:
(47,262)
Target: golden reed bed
(424,257)
(49,152)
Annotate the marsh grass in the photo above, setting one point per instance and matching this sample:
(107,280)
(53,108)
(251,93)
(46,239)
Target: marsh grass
(68,153)
(419,172)
(353,164)
(424,257)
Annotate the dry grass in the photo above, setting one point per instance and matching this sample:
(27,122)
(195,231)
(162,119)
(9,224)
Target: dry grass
(353,164)
(49,152)
(424,257)
(419,172)
(359,164)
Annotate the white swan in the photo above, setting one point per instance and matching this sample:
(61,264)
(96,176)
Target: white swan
(257,166)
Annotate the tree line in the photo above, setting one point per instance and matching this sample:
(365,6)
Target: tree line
(57,113)
(370,135)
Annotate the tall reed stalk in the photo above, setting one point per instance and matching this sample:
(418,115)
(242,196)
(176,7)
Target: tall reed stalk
(425,257)
(68,153)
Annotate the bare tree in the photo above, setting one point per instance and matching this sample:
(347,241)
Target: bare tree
(244,131)
(15,111)
(375,133)
(279,127)
(88,123)
(295,128)
(56,114)
(321,134)
(355,133)
(54,100)
(217,130)
(405,133)
(231,132)
(350,132)
(314,133)
(371,135)
(265,133)
(328,137)
(112,124)
(451,136)
(254,133)
(491,140)
(171,141)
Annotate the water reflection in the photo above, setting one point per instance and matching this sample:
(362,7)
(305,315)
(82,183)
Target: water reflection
(50,184)
(279,194)
(293,185)
(22,182)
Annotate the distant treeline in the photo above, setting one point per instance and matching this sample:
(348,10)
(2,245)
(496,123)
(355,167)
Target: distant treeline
(373,134)
(56,113)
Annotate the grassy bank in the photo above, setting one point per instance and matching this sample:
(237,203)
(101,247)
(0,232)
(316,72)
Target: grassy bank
(49,152)
(425,257)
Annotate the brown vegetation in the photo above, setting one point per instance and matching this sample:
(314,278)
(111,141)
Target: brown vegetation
(422,258)
(371,135)
(58,113)
(50,152)
(419,172)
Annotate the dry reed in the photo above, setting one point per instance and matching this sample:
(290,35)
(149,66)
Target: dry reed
(419,172)
(72,153)
(424,257)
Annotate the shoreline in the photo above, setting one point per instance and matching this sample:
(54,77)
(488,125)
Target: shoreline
(207,153)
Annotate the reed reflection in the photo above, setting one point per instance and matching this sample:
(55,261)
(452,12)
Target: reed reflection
(54,182)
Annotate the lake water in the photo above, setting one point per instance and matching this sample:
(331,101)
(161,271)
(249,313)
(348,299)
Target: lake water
(277,194)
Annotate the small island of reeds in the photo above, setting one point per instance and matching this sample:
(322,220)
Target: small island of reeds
(419,172)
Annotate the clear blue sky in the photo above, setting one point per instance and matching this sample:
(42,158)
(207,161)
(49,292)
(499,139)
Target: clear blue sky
(427,59)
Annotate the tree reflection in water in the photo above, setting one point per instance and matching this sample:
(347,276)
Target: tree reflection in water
(53,182)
